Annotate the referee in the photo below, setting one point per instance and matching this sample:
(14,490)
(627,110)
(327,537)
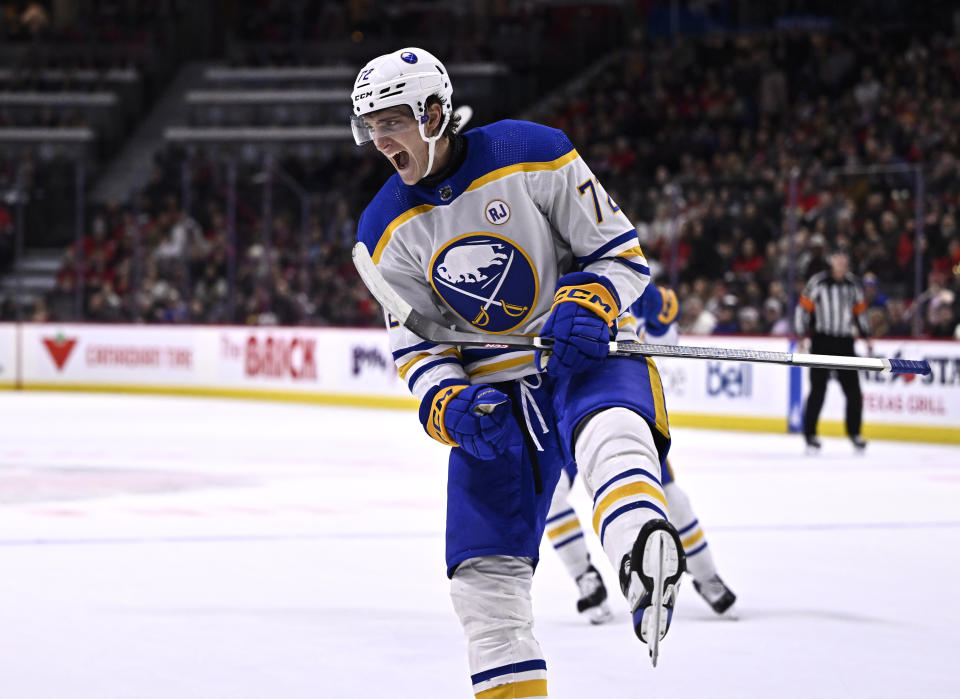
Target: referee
(835,299)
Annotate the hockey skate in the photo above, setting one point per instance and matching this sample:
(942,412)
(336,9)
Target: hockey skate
(859,443)
(593,597)
(649,577)
(813,443)
(716,593)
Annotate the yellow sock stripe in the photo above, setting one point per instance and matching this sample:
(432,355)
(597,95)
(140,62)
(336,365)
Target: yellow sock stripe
(516,690)
(563,529)
(693,538)
(625,491)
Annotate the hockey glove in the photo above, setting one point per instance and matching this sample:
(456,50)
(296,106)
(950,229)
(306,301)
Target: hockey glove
(476,418)
(584,309)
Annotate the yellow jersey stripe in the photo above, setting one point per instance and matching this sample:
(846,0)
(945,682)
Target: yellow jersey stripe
(498,366)
(516,690)
(625,491)
(403,370)
(523,167)
(563,529)
(659,407)
(692,539)
(635,251)
(476,184)
(394,225)
(625,321)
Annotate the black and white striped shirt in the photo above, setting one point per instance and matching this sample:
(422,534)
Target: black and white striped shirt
(836,306)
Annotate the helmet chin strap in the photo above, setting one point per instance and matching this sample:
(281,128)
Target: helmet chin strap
(432,142)
(431,149)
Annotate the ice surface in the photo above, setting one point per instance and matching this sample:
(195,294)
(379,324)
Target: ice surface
(170,547)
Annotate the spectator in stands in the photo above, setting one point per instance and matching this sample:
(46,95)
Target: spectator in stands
(695,319)
(341,229)
(748,319)
(727,321)
(872,294)
(774,322)
(35,18)
(726,136)
(898,320)
(943,322)
(814,258)
(749,262)
(40,312)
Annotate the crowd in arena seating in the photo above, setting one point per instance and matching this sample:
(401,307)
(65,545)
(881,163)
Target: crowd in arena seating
(725,120)
(694,139)
(152,262)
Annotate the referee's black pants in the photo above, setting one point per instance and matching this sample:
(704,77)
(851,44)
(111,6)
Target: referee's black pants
(849,380)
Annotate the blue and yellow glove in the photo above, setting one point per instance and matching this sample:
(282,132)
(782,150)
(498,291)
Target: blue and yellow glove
(585,308)
(477,419)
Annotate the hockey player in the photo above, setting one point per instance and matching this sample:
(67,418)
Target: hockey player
(654,315)
(505,229)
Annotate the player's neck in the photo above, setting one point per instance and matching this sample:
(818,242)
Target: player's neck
(441,156)
(454,153)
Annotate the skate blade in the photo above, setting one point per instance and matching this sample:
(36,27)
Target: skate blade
(660,563)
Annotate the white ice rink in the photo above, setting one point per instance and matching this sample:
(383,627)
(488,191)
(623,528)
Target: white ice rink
(169,548)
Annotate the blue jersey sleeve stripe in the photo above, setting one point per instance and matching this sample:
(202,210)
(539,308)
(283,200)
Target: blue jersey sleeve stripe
(608,246)
(413,348)
(411,382)
(635,266)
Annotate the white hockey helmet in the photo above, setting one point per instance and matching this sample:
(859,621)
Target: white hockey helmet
(405,77)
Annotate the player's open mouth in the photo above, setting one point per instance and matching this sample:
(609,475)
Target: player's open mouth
(401,160)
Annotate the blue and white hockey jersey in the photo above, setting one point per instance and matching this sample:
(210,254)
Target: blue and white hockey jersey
(483,250)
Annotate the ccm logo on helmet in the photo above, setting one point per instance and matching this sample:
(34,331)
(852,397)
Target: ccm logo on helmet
(362,96)
(408,57)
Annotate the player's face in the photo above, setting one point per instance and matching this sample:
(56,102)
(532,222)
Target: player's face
(395,134)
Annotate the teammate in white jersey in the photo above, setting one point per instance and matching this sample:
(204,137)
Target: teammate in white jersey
(654,315)
(505,230)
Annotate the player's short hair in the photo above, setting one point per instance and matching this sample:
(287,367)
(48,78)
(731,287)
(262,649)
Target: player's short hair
(454,124)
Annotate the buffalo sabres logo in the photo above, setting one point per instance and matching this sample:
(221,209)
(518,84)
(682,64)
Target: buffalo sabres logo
(487,280)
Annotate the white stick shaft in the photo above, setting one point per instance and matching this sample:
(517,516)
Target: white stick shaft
(428,330)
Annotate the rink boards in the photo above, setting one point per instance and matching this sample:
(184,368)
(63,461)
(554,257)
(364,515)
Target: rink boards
(354,367)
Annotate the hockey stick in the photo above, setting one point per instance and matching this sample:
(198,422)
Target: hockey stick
(428,330)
